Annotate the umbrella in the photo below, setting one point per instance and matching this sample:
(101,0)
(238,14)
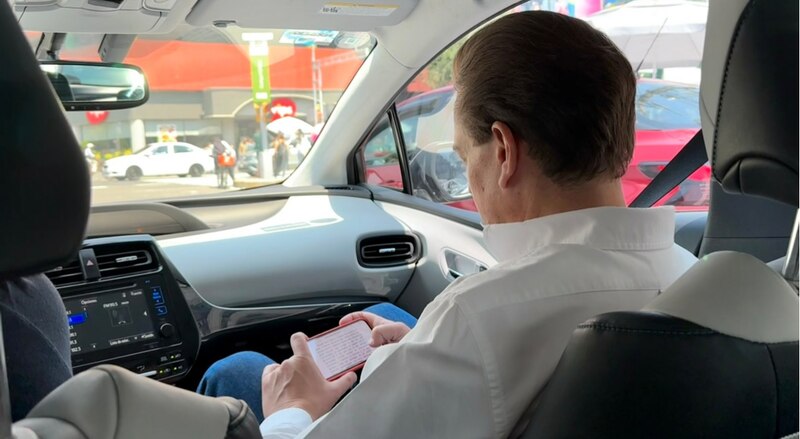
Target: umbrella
(288,126)
(657,33)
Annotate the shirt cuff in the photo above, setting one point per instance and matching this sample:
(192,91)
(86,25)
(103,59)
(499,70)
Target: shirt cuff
(286,423)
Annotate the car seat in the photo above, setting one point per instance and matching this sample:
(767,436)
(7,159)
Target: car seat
(44,191)
(716,354)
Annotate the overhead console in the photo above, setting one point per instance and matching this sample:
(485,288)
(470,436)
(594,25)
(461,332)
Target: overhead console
(125,307)
(333,15)
(101,16)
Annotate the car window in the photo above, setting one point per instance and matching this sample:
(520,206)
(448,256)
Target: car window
(161,150)
(667,104)
(182,149)
(238,87)
(380,157)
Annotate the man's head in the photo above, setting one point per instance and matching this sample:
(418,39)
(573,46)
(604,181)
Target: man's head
(544,114)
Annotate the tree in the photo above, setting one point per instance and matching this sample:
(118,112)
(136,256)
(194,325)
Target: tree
(440,70)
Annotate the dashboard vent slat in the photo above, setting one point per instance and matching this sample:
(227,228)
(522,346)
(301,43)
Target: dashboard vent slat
(119,263)
(66,274)
(387,251)
(113,260)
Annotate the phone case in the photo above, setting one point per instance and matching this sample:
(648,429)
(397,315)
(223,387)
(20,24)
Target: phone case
(354,368)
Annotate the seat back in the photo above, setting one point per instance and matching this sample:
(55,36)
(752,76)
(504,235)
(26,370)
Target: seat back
(36,340)
(110,402)
(716,353)
(44,198)
(663,372)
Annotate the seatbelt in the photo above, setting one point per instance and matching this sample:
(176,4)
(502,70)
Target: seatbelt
(689,159)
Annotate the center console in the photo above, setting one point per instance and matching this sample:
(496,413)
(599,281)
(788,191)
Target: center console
(124,307)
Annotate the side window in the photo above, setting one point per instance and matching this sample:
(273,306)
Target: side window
(182,149)
(667,102)
(161,150)
(380,157)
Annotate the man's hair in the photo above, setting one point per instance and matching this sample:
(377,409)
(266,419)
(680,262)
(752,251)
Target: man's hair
(561,86)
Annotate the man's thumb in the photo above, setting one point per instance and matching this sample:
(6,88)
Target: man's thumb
(344,383)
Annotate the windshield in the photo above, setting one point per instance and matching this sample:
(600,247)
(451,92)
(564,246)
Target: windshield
(229,108)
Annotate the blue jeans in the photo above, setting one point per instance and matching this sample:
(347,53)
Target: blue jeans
(239,375)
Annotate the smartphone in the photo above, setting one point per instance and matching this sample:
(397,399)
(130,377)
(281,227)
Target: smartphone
(342,349)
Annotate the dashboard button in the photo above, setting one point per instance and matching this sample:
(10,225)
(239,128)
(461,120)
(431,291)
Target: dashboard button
(167,330)
(161,310)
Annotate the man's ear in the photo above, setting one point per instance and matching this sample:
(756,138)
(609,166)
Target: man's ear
(507,152)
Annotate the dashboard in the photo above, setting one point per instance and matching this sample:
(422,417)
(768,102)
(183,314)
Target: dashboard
(246,273)
(165,306)
(125,307)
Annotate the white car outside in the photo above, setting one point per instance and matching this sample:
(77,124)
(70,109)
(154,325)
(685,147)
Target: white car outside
(160,159)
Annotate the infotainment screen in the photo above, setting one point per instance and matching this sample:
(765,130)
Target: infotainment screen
(108,319)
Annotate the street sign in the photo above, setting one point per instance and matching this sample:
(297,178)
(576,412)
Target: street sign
(259,76)
(259,68)
(309,37)
(96,117)
(282,107)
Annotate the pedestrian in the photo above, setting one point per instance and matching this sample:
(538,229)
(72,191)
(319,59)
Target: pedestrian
(301,144)
(224,162)
(280,155)
(91,161)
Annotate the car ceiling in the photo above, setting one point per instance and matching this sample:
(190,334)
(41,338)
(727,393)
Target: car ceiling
(433,24)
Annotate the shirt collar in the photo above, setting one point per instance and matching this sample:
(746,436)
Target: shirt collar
(605,228)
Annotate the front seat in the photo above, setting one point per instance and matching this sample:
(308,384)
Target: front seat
(716,354)
(44,194)
(44,198)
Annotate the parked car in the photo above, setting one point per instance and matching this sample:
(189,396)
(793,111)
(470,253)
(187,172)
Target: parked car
(160,159)
(667,117)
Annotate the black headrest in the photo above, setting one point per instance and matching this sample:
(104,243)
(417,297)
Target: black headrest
(44,182)
(749,96)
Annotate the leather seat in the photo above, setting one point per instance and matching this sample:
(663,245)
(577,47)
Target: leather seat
(111,402)
(44,194)
(44,197)
(716,354)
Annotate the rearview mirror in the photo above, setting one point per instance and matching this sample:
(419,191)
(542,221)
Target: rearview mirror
(90,86)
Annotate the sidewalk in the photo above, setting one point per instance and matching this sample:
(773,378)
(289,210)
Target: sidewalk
(245,181)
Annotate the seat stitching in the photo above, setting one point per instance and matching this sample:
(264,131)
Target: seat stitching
(645,331)
(239,419)
(663,332)
(734,39)
(777,391)
(117,395)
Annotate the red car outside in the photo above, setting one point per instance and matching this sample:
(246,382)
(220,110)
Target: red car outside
(667,116)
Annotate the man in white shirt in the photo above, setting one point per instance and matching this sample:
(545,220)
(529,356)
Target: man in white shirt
(545,124)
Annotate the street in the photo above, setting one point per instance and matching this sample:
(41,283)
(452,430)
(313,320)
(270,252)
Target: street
(155,188)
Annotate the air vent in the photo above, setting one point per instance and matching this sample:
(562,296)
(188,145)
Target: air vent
(113,260)
(66,274)
(388,251)
(124,262)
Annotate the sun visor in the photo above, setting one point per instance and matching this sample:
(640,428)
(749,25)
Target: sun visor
(302,14)
(101,16)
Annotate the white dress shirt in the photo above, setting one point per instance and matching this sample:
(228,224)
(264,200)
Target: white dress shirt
(485,347)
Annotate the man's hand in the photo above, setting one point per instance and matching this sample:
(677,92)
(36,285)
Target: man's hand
(383,331)
(297,382)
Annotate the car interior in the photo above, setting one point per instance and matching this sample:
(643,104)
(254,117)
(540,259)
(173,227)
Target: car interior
(202,275)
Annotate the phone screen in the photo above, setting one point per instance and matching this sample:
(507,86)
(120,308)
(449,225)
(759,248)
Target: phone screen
(341,349)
